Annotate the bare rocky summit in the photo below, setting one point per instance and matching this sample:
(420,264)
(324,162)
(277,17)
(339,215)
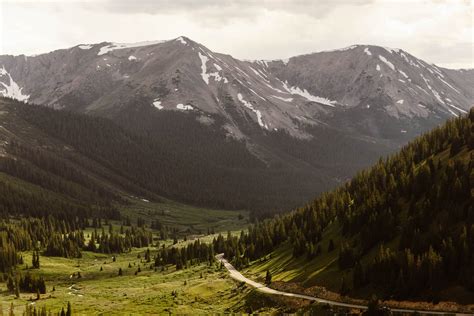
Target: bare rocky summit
(181,75)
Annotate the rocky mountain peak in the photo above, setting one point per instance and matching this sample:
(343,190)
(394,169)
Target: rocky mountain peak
(182,75)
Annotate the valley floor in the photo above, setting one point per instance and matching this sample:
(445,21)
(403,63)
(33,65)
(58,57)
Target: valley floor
(200,289)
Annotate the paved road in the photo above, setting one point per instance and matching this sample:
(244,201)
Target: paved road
(235,274)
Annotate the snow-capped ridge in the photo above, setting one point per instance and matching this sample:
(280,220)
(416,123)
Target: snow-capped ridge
(280,94)
(85,46)
(114,46)
(181,40)
(339,49)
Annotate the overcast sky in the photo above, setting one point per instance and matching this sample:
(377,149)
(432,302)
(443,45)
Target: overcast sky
(438,31)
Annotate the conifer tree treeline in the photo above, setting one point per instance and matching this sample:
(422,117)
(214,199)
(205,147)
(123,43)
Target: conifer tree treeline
(54,237)
(424,194)
(51,172)
(193,253)
(174,155)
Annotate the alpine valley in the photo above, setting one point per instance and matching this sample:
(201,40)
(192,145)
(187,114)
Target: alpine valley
(141,178)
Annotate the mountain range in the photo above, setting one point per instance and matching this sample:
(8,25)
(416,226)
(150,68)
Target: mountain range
(308,122)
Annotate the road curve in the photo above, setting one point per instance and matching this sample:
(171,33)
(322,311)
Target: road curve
(235,274)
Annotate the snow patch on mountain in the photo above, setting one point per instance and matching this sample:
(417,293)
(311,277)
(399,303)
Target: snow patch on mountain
(435,93)
(459,109)
(275,89)
(308,96)
(437,96)
(391,50)
(85,46)
(400,101)
(12,89)
(446,83)
(204,74)
(183,107)
(378,67)
(131,57)
(367,51)
(436,69)
(181,40)
(157,104)
(403,73)
(242,72)
(387,62)
(250,107)
(408,60)
(114,46)
(258,74)
(262,62)
(283,99)
(454,114)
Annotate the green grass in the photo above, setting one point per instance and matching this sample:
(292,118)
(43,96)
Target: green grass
(321,270)
(207,290)
(200,289)
(188,219)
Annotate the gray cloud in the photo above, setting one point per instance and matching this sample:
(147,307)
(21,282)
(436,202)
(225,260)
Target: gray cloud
(226,10)
(439,31)
(451,55)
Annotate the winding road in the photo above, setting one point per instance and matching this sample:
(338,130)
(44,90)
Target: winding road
(235,274)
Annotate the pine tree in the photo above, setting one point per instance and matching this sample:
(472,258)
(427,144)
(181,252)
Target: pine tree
(358,276)
(35,261)
(268,278)
(331,245)
(344,287)
(69,309)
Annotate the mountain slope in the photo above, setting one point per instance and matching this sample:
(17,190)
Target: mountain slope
(402,229)
(309,123)
(373,76)
(199,165)
(183,75)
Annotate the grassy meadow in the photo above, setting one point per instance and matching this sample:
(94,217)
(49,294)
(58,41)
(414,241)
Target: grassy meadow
(199,289)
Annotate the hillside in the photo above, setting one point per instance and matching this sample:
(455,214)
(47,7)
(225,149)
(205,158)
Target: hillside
(403,229)
(265,135)
(194,164)
(66,166)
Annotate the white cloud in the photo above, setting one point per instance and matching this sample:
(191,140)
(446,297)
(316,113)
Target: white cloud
(437,31)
